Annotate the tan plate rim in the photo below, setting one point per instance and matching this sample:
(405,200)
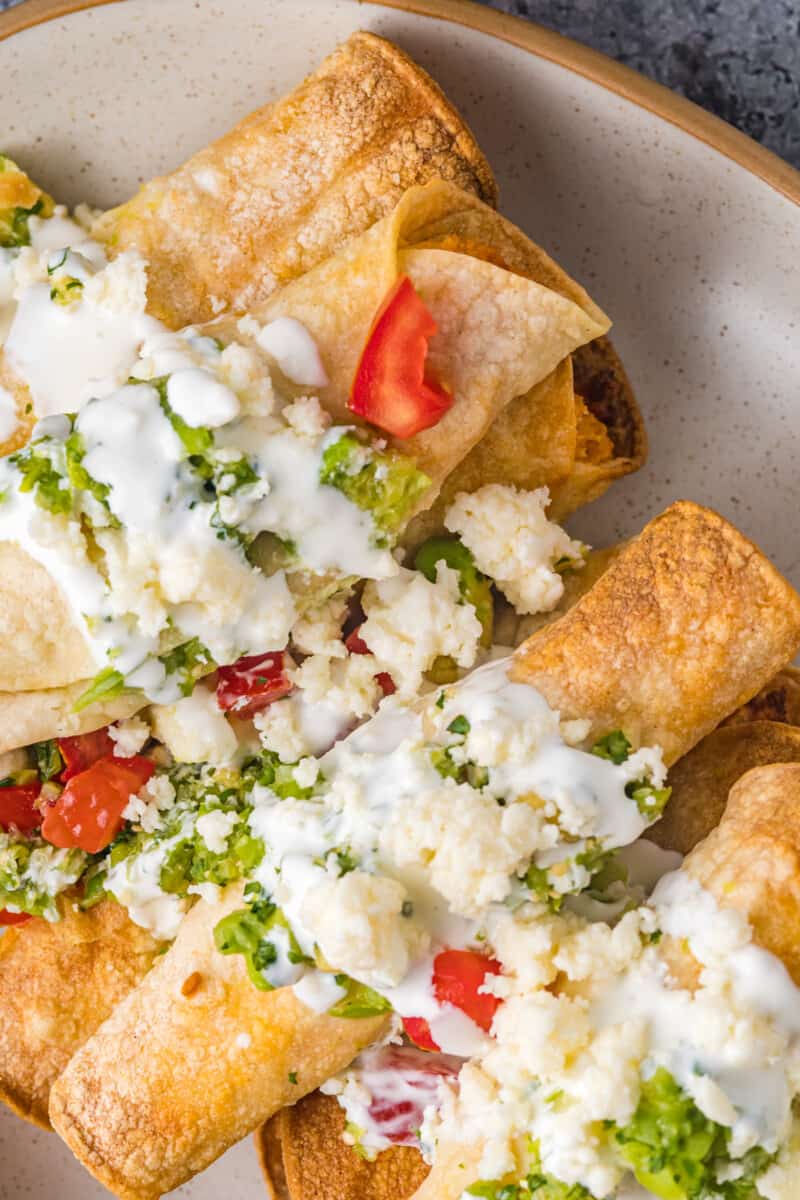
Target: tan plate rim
(546,44)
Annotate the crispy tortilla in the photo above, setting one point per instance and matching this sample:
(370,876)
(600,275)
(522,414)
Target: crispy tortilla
(304,1158)
(499,334)
(751,861)
(58,982)
(279,193)
(693,621)
(285,188)
(701,780)
(143,1127)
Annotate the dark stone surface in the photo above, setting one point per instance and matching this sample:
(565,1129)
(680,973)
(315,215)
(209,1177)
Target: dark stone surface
(738,58)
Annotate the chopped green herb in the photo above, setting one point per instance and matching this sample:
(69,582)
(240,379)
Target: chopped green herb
(292,1077)
(187,663)
(66,291)
(459,725)
(80,478)
(651,801)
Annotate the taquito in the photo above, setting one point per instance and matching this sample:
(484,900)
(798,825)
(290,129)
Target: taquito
(499,334)
(695,622)
(749,863)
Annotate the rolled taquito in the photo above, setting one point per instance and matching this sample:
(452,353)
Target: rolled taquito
(695,622)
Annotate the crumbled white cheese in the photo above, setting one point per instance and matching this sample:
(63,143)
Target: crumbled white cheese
(410,622)
(320,630)
(147,807)
(129,736)
(357,922)
(194,729)
(469,845)
(307,417)
(279,730)
(348,684)
(215,828)
(513,543)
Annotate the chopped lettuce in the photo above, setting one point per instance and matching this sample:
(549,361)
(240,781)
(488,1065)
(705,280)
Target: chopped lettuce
(383,483)
(676,1152)
(41,476)
(106,685)
(360,1001)
(33,873)
(187,663)
(247,932)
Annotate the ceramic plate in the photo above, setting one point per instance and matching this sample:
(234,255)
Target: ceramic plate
(684,231)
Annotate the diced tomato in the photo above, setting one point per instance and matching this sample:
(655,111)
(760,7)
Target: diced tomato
(356,645)
(419,1031)
(88,813)
(18,807)
(402,1082)
(391,388)
(80,751)
(252,683)
(458,976)
(9,918)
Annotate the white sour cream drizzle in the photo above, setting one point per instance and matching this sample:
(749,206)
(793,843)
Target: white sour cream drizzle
(435,855)
(68,353)
(167,572)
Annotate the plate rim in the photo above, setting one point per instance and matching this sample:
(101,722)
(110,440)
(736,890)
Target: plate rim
(547,44)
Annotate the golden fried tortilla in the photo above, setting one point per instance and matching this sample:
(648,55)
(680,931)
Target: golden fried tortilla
(751,861)
(702,779)
(688,602)
(499,334)
(58,982)
(280,192)
(304,1158)
(284,189)
(616,660)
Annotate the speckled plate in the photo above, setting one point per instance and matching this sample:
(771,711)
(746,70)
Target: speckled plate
(686,232)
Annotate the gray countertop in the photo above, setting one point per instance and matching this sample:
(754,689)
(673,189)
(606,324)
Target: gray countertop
(738,58)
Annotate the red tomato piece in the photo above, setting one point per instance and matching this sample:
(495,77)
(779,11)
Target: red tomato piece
(391,388)
(356,645)
(458,976)
(81,751)
(419,1031)
(252,683)
(9,918)
(18,807)
(402,1082)
(88,813)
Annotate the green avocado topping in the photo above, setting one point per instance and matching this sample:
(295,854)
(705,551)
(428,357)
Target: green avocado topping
(383,483)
